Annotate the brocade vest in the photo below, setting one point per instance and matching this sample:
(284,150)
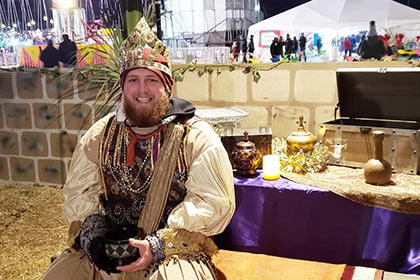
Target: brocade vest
(127,185)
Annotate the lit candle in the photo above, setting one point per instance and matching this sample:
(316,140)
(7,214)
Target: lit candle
(271,167)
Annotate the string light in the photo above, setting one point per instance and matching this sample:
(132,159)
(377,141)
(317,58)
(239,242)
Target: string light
(45,18)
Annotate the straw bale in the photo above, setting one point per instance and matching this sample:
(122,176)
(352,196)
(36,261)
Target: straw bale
(32,230)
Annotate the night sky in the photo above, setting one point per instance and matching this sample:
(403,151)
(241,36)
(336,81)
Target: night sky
(273,7)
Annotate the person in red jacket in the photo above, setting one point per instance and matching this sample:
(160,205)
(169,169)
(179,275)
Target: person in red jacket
(347,47)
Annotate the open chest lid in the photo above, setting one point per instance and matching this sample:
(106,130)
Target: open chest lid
(379,93)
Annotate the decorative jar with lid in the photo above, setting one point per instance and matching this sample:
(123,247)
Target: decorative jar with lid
(245,157)
(301,139)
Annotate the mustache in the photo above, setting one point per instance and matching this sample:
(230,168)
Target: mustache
(146,118)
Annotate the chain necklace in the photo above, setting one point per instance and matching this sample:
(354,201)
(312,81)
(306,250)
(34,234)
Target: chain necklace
(121,172)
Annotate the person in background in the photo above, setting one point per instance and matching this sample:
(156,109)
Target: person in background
(251,47)
(353,41)
(359,47)
(340,44)
(347,47)
(50,55)
(68,50)
(302,47)
(295,47)
(373,47)
(152,167)
(319,45)
(288,46)
(275,50)
(235,50)
(281,45)
(243,47)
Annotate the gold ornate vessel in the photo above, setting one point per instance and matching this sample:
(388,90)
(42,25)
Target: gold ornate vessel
(245,157)
(301,139)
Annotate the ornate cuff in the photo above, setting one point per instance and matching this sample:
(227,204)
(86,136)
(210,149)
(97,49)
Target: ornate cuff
(93,227)
(157,245)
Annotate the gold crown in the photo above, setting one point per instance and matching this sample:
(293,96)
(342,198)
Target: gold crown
(134,52)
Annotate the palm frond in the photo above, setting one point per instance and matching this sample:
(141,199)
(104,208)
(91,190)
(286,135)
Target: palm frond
(105,77)
(102,77)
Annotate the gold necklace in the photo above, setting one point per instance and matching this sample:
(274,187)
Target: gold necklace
(124,171)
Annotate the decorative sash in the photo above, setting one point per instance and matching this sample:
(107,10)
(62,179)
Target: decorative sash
(163,173)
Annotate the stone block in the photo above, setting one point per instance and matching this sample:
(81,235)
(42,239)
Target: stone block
(29,85)
(265,91)
(4,169)
(17,115)
(308,87)
(34,144)
(89,92)
(52,171)
(77,116)
(229,86)
(22,169)
(6,87)
(63,144)
(257,116)
(9,143)
(193,87)
(59,88)
(46,115)
(285,117)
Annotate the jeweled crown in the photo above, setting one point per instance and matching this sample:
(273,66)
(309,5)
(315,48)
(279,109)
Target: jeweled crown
(142,48)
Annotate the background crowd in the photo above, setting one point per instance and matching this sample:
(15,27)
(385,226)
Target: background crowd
(363,45)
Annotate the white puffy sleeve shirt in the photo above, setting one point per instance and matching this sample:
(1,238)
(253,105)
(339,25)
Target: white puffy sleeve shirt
(208,205)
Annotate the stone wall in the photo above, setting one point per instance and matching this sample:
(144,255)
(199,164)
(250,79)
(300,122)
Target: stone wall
(279,97)
(42,119)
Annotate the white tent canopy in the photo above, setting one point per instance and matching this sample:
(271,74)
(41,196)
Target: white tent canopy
(339,15)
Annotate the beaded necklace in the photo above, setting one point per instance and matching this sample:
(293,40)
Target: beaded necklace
(117,164)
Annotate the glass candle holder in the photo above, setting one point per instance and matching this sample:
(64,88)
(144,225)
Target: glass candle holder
(271,167)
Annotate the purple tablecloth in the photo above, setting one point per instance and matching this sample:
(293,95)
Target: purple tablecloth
(287,219)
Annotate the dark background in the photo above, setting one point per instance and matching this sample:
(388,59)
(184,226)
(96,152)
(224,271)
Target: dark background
(273,7)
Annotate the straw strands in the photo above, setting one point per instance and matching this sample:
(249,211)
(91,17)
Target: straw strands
(32,230)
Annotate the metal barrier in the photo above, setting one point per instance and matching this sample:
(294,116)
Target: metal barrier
(9,59)
(180,55)
(200,55)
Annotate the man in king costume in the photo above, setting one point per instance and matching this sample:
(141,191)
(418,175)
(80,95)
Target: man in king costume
(150,165)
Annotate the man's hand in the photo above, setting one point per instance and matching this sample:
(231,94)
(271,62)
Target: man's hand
(146,256)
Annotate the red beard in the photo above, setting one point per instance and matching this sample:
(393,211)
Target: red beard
(145,119)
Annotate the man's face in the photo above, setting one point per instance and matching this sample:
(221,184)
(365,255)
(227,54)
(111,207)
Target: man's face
(144,97)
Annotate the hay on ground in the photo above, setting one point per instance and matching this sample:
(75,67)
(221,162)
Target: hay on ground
(32,230)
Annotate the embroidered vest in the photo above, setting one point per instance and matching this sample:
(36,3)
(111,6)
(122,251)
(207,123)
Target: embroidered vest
(127,185)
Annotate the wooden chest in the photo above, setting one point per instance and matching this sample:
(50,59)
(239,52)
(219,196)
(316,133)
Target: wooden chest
(375,99)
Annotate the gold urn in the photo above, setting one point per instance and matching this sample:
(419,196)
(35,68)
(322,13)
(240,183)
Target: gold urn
(301,139)
(245,157)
